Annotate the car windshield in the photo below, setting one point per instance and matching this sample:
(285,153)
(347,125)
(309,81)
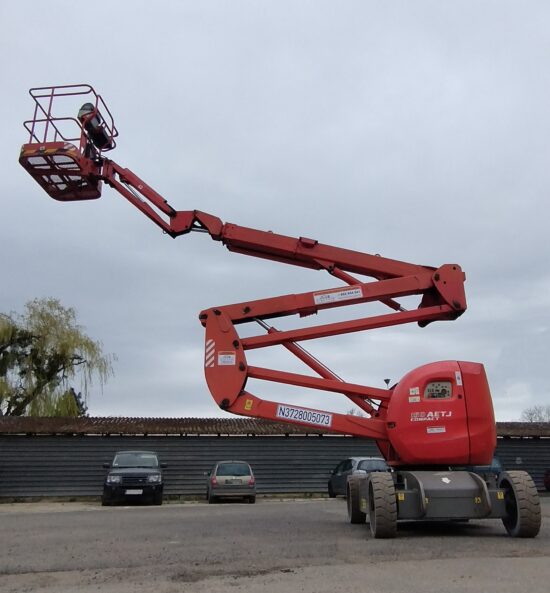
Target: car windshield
(135,460)
(371,465)
(233,469)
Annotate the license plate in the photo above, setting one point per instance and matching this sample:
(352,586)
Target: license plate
(135,491)
(233,481)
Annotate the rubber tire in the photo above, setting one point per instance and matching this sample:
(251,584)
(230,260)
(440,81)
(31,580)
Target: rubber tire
(251,500)
(382,505)
(355,514)
(523,514)
(157,498)
(212,499)
(331,493)
(106,500)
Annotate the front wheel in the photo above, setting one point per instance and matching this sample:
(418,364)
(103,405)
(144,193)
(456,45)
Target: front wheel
(331,493)
(157,498)
(523,515)
(106,500)
(382,505)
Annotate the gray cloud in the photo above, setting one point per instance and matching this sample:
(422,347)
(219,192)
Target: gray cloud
(415,130)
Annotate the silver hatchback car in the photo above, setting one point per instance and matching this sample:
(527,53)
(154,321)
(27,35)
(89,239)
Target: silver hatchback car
(231,479)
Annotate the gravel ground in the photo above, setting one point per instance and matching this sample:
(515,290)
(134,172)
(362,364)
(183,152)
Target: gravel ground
(270,547)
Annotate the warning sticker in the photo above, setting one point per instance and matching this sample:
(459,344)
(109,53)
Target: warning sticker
(209,353)
(414,391)
(458,377)
(414,399)
(248,404)
(322,298)
(226,359)
(435,429)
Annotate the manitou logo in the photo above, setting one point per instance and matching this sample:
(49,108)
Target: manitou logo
(429,416)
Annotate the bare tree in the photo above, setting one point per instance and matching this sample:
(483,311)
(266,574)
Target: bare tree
(536,414)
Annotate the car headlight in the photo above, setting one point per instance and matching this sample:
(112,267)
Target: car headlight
(154,478)
(114,479)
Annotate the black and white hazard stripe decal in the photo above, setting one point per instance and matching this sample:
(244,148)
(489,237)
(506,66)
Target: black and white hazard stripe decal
(209,353)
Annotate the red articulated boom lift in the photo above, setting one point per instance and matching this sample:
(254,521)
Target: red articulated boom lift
(437,417)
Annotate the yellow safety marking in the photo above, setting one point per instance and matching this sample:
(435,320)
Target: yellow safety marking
(248,404)
(477,499)
(400,496)
(363,504)
(500,495)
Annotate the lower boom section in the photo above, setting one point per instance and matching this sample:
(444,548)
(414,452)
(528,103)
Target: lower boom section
(384,498)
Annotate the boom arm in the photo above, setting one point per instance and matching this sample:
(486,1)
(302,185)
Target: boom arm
(70,173)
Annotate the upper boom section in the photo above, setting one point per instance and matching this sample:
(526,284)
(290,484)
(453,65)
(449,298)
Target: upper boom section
(73,172)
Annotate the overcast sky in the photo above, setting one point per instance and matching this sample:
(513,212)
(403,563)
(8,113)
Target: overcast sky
(416,130)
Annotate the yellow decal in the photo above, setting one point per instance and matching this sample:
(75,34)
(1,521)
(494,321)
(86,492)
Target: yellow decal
(426,500)
(363,504)
(400,496)
(248,404)
(500,495)
(477,500)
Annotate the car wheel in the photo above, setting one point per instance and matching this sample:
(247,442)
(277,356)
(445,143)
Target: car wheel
(106,500)
(157,498)
(523,515)
(212,499)
(251,499)
(331,493)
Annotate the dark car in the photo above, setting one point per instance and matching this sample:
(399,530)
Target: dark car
(231,479)
(339,477)
(135,476)
(488,472)
(547,479)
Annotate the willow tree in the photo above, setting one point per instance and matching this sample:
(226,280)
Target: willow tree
(44,356)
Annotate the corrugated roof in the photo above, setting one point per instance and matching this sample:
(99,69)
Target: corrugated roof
(119,425)
(198,426)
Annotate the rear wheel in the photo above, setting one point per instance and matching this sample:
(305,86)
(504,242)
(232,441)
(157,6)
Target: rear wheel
(212,499)
(382,505)
(355,514)
(331,493)
(523,516)
(251,499)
